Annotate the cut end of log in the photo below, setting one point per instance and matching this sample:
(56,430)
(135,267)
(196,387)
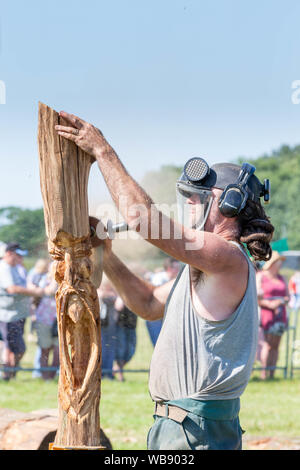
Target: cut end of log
(33,431)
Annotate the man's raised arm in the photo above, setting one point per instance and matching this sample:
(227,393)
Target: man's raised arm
(211,253)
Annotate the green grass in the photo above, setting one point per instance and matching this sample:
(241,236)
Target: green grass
(270,408)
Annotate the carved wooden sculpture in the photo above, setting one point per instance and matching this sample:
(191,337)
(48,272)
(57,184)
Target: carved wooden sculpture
(64,172)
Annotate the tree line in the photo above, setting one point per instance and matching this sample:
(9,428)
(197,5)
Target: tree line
(282,167)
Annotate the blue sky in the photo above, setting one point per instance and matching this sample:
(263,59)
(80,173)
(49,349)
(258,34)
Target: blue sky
(165,80)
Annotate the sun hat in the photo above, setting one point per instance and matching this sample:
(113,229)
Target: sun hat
(16,248)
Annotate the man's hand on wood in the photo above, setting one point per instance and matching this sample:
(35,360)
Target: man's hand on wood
(85,135)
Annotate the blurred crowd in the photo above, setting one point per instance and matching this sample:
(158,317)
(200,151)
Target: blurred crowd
(118,323)
(30,297)
(27,296)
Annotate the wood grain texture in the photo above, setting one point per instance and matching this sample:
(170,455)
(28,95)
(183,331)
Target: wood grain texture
(64,172)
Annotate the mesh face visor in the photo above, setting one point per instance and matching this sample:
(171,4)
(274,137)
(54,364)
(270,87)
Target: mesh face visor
(193,198)
(193,205)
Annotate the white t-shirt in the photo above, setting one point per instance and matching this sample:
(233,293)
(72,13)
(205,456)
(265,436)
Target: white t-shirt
(13,307)
(160,278)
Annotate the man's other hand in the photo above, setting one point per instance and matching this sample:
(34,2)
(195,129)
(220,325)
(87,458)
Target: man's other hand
(99,235)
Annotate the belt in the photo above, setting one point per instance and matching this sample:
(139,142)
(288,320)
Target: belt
(212,409)
(170,411)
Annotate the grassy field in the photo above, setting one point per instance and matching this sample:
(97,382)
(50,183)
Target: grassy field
(270,408)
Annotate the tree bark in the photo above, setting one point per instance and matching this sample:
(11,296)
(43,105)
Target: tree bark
(64,172)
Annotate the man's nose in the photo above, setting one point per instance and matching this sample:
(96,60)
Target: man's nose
(193,199)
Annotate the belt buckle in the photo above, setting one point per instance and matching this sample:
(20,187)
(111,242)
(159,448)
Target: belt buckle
(172,412)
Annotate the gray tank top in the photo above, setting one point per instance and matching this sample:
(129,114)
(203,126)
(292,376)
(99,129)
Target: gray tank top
(202,359)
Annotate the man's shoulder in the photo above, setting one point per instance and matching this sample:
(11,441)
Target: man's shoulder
(239,254)
(235,274)
(237,260)
(238,246)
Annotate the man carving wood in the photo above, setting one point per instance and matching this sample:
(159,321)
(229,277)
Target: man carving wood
(203,358)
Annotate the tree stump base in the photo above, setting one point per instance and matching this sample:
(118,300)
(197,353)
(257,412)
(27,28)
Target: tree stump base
(35,431)
(55,447)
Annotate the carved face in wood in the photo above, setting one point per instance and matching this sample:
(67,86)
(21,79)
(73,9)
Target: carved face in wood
(78,318)
(75,308)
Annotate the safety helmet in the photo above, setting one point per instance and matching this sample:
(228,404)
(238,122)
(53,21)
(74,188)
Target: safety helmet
(194,190)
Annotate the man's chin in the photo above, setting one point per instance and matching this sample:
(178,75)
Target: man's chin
(198,227)
(204,228)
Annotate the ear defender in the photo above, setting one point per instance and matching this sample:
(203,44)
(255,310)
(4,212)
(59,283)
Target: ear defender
(235,196)
(266,191)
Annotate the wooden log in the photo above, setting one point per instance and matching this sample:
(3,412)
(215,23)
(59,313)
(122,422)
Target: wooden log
(32,431)
(26,431)
(64,172)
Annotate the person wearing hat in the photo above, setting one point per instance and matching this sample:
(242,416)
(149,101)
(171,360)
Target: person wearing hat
(204,355)
(2,249)
(14,305)
(272,299)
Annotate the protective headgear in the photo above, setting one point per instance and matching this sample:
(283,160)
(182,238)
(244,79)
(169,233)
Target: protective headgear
(194,190)
(194,199)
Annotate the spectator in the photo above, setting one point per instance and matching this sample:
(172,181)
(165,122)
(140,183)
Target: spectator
(39,270)
(20,266)
(126,337)
(14,306)
(2,249)
(171,269)
(46,327)
(259,296)
(34,278)
(294,289)
(109,315)
(273,296)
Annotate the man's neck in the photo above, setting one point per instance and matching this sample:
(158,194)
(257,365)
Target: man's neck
(227,232)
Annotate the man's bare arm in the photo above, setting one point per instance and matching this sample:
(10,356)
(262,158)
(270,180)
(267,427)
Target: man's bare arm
(211,253)
(142,298)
